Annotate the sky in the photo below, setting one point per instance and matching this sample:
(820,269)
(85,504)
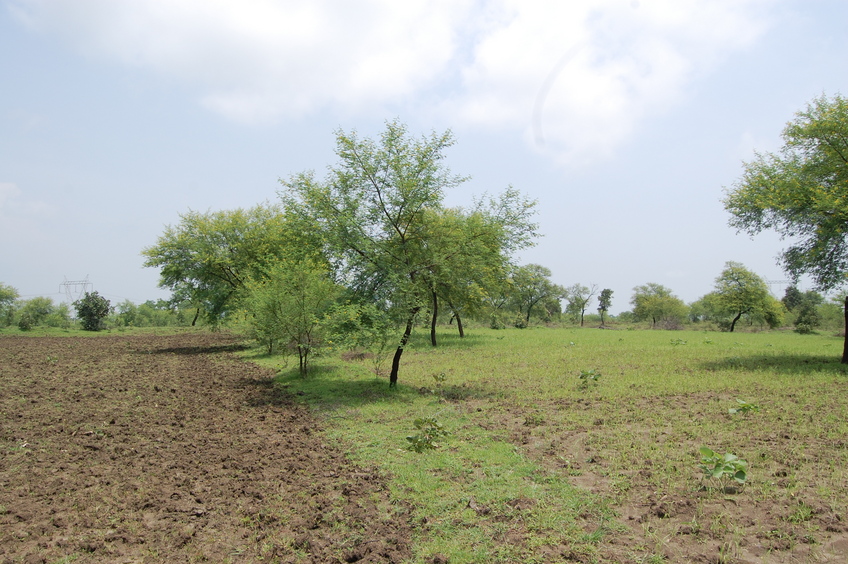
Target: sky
(626,120)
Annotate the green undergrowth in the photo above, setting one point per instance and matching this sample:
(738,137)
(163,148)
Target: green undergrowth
(522,424)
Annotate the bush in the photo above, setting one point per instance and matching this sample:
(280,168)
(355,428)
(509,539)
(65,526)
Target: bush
(26,322)
(91,310)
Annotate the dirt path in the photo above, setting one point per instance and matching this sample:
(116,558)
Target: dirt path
(169,449)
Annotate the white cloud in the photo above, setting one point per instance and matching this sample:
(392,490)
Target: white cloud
(255,60)
(575,78)
(578,77)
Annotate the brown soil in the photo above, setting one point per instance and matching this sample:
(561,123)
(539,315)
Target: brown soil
(170,449)
(797,522)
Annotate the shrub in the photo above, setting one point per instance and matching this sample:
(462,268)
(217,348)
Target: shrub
(92,308)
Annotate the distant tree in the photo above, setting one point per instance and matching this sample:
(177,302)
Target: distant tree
(531,284)
(34,312)
(92,309)
(578,298)
(8,297)
(127,313)
(604,303)
(705,309)
(654,302)
(741,292)
(800,193)
(792,297)
(206,259)
(805,310)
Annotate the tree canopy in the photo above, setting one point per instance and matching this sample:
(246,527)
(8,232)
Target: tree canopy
(383,224)
(208,257)
(800,193)
(738,292)
(654,302)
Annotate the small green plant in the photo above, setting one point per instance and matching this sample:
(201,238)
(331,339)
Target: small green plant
(676,342)
(440,380)
(723,467)
(801,514)
(588,378)
(430,430)
(743,407)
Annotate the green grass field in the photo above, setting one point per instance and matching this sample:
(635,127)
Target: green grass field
(542,465)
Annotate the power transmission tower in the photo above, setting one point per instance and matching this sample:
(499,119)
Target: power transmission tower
(74,289)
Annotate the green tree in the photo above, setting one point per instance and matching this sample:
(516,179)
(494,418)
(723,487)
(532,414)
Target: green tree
(792,297)
(372,213)
(288,307)
(578,298)
(471,252)
(531,284)
(208,257)
(34,312)
(804,306)
(741,292)
(799,192)
(92,309)
(657,303)
(8,297)
(604,303)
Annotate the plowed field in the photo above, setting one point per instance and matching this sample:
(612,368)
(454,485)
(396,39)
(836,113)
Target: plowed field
(170,449)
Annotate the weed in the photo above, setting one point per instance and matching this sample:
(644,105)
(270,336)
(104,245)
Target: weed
(801,514)
(723,468)
(743,407)
(676,342)
(587,378)
(430,430)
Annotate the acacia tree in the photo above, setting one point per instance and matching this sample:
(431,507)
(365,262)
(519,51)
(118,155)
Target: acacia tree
(471,252)
(604,303)
(578,297)
(208,257)
(799,192)
(656,303)
(371,212)
(738,292)
(531,285)
(288,307)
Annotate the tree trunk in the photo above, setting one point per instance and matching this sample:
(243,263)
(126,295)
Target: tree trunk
(735,319)
(459,325)
(845,344)
(433,321)
(196,315)
(393,375)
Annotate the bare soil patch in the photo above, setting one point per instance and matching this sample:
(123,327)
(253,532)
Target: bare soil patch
(788,512)
(171,449)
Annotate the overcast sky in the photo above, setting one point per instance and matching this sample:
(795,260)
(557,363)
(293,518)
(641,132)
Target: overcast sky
(625,119)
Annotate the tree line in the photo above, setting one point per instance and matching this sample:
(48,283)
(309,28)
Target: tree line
(359,257)
(91,312)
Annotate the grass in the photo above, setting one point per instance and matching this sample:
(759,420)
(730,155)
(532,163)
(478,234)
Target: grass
(542,465)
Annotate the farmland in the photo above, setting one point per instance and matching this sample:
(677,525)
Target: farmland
(559,445)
